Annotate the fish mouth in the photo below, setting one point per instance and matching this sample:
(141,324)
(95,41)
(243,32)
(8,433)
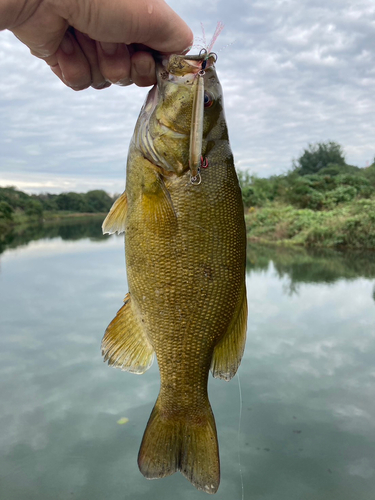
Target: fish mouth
(178,67)
(155,130)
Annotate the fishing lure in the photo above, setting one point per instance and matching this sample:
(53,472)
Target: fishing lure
(196,132)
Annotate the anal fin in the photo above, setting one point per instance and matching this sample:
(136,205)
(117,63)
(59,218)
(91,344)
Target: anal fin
(115,220)
(125,344)
(228,352)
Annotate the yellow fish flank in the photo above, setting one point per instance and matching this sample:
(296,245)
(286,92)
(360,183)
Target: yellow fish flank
(185,245)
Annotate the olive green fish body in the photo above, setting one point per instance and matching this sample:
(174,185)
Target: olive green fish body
(185,254)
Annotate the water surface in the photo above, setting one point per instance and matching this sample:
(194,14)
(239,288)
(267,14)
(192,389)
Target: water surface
(307,426)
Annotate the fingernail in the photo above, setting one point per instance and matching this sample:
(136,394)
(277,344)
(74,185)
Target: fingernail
(100,86)
(143,68)
(67,45)
(187,49)
(109,48)
(124,82)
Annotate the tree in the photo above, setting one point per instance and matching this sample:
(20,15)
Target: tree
(6,211)
(98,201)
(16,199)
(73,202)
(320,155)
(34,209)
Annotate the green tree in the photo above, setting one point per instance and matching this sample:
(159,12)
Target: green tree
(47,200)
(318,156)
(15,198)
(34,209)
(74,202)
(6,211)
(98,201)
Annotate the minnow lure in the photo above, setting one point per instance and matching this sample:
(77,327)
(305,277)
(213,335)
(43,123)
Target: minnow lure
(196,132)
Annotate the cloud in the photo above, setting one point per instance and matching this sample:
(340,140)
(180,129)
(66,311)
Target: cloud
(292,73)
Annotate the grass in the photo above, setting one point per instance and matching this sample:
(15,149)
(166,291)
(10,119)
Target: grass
(349,225)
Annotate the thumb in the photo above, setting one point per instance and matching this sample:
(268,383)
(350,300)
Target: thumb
(149,22)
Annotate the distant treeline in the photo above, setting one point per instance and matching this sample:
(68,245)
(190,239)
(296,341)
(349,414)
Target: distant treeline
(319,180)
(13,201)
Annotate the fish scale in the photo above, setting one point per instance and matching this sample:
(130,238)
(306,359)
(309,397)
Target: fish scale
(185,256)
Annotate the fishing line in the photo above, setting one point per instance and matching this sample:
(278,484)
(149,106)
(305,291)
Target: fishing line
(238,437)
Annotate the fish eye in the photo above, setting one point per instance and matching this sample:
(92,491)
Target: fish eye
(208,99)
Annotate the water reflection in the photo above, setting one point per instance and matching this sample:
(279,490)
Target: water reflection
(66,229)
(303,265)
(307,379)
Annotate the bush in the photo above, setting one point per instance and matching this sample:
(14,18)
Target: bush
(257,191)
(34,209)
(339,195)
(304,195)
(6,211)
(333,169)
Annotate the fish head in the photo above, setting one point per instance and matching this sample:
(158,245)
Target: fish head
(163,130)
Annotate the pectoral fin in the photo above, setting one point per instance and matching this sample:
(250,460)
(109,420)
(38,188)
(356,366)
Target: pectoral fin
(156,204)
(125,344)
(115,220)
(228,352)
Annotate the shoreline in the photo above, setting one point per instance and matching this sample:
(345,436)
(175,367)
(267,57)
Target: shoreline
(21,222)
(349,225)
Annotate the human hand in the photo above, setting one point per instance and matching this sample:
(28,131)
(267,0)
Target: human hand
(97,42)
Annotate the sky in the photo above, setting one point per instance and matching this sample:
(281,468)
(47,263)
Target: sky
(293,72)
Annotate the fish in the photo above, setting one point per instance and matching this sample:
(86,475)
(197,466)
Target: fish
(185,248)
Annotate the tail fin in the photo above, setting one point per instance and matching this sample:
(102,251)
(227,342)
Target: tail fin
(184,444)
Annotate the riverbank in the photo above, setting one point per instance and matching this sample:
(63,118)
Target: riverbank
(70,226)
(348,225)
(19,221)
(22,224)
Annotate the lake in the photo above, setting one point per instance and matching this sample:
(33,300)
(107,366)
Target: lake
(303,429)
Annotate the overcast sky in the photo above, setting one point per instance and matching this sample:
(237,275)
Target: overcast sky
(293,72)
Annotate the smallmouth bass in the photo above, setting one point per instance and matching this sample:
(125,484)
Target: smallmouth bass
(185,243)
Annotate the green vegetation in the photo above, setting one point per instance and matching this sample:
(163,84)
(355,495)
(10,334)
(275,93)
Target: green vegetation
(319,156)
(322,202)
(19,211)
(36,205)
(18,206)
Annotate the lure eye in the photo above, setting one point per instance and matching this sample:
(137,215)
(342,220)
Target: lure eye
(208,100)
